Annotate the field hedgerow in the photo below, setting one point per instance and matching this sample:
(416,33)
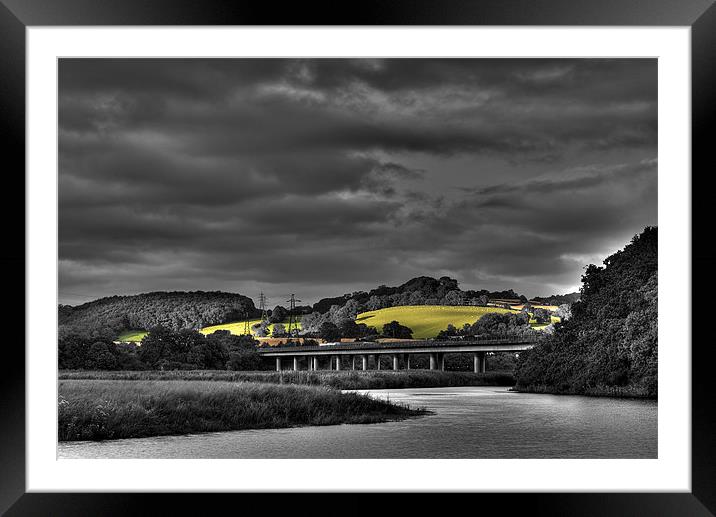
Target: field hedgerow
(111,409)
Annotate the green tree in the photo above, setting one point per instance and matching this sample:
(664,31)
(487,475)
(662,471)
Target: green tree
(329,331)
(396,330)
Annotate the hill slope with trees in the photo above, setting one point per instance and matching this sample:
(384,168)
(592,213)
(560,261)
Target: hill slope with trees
(422,290)
(173,310)
(609,345)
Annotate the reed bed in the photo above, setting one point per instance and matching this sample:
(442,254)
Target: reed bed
(342,380)
(111,409)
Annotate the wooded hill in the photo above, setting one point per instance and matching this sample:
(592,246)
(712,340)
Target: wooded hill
(422,290)
(173,310)
(609,345)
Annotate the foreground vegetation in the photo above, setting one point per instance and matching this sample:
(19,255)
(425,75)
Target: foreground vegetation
(609,345)
(113,409)
(353,380)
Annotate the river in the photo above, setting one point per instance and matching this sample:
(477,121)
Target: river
(469,422)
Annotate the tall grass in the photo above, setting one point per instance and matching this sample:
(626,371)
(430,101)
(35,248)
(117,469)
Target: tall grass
(344,380)
(107,409)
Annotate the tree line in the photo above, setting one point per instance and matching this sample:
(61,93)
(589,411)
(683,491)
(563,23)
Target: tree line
(422,290)
(162,349)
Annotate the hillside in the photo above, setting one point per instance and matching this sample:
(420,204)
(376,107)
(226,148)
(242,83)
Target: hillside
(609,346)
(422,290)
(174,310)
(426,320)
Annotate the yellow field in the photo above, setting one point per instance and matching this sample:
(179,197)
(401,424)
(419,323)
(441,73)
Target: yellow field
(237,327)
(427,320)
(131,335)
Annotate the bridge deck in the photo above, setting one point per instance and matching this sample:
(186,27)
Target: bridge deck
(416,346)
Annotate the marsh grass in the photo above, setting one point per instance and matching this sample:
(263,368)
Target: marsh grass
(343,380)
(112,409)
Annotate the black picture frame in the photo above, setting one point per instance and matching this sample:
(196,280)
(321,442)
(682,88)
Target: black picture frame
(700,15)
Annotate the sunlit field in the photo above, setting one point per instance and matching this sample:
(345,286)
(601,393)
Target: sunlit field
(427,320)
(237,327)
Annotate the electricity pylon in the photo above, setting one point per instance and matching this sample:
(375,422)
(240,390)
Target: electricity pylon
(247,327)
(292,319)
(263,301)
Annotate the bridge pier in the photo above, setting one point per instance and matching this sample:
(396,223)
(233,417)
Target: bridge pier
(364,359)
(479,362)
(338,362)
(407,361)
(278,364)
(315,363)
(395,361)
(377,361)
(371,359)
(441,361)
(295,363)
(433,361)
(353,362)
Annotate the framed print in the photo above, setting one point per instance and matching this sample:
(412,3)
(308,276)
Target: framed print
(407,250)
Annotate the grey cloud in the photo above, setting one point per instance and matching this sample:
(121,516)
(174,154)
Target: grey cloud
(312,176)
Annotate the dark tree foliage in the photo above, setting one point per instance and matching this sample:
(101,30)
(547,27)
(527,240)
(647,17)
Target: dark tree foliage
(241,350)
(107,317)
(329,331)
(162,349)
(422,290)
(396,330)
(492,324)
(350,329)
(278,314)
(557,299)
(76,352)
(541,315)
(611,339)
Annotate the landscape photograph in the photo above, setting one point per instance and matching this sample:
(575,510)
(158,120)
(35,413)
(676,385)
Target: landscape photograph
(357,258)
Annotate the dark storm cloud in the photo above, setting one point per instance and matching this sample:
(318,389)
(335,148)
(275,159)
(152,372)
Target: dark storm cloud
(325,176)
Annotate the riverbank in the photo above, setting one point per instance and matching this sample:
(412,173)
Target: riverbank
(465,422)
(624,392)
(113,409)
(341,380)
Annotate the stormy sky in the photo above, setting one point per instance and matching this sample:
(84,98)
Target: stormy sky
(325,176)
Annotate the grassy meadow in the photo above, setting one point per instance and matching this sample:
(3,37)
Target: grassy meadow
(113,409)
(132,336)
(427,320)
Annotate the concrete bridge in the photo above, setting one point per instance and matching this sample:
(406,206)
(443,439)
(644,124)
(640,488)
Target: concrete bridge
(364,353)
